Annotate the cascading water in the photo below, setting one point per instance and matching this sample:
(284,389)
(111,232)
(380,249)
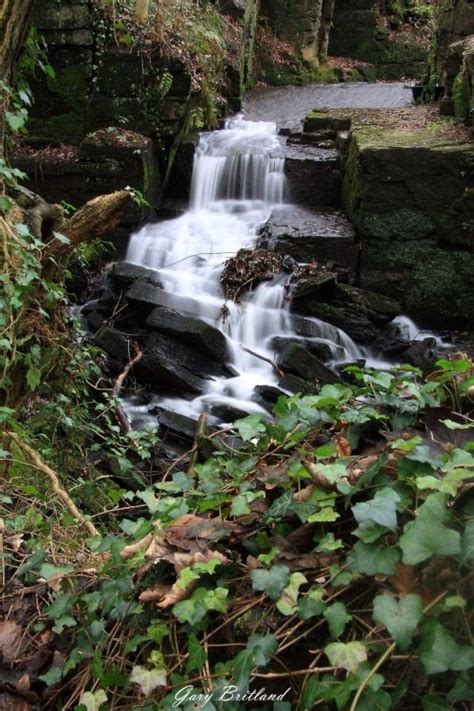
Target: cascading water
(238,178)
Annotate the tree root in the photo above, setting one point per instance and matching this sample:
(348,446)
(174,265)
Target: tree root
(54,479)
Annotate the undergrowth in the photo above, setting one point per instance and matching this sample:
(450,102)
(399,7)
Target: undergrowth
(319,558)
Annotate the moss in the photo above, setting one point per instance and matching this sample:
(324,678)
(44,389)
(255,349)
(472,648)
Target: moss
(461,96)
(403,224)
(72,86)
(65,128)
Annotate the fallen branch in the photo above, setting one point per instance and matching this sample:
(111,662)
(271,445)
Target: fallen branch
(200,432)
(267,360)
(95,219)
(54,479)
(121,416)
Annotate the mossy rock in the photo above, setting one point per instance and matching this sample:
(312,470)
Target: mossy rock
(324,120)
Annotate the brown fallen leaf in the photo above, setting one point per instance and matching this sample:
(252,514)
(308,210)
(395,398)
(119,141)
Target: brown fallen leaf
(130,550)
(304,494)
(11,635)
(343,447)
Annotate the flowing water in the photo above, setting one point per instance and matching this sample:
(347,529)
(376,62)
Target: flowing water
(238,179)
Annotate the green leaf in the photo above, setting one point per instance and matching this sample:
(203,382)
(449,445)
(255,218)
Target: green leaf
(197,655)
(33,377)
(467,542)
(271,581)
(5,204)
(346,656)
(250,427)
(287,603)
(312,605)
(382,509)
(400,618)
(148,679)
(16,121)
(93,701)
(375,559)
(257,653)
(337,618)
(427,536)
(439,652)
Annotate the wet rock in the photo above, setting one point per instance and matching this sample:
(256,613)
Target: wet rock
(380,309)
(192,331)
(227,413)
(267,395)
(94,320)
(313,175)
(320,139)
(321,283)
(114,344)
(294,384)
(356,324)
(320,350)
(168,365)
(310,235)
(422,354)
(176,426)
(146,297)
(124,274)
(297,360)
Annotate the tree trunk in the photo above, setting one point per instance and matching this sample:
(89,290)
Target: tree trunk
(15,18)
(141,10)
(327,14)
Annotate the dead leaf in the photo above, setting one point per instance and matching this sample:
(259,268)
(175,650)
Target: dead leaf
(343,447)
(304,494)
(11,635)
(130,550)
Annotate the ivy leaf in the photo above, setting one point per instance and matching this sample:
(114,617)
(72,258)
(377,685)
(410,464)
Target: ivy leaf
(148,679)
(426,537)
(33,377)
(346,656)
(287,603)
(5,204)
(271,581)
(439,652)
(467,542)
(93,701)
(250,427)
(400,618)
(312,605)
(257,653)
(382,509)
(197,655)
(374,559)
(337,618)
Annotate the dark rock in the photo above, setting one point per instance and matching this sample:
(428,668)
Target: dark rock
(147,296)
(313,175)
(124,274)
(320,350)
(267,395)
(297,360)
(313,139)
(175,425)
(324,121)
(294,384)
(172,366)
(113,343)
(378,308)
(234,8)
(318,284)
(94,320)
(227,413)
(310,235)
(357,325)
(422,354)
(190,330)
(389,345)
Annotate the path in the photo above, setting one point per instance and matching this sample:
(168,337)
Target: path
(288,105)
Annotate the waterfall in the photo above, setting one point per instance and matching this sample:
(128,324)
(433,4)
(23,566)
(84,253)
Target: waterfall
(238,178)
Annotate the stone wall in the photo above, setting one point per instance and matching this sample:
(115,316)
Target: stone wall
(360,32)
(296,22)
(411,196)
(451,61)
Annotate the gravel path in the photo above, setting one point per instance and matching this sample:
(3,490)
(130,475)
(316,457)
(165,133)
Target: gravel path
(288,105)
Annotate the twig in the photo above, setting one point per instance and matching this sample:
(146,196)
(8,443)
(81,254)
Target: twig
(54,479)
(267,360)
(121,416)
(200,432)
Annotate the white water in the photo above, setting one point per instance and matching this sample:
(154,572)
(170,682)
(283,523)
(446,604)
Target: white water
(238,178)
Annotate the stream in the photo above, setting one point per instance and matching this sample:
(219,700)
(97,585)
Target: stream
(238,179)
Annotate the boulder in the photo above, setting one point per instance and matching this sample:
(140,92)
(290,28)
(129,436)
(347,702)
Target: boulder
(297,360)
(294,384)
(175,426)
(190,330)
(267,395)
(233,8)
(114,344)
(169,365)
(356,324)
(124,274)
(324,121)
(146,297)
(318,284)
(310,235)
(320,349)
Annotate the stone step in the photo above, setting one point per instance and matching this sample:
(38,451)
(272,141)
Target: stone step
(311,235)
(313,175)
